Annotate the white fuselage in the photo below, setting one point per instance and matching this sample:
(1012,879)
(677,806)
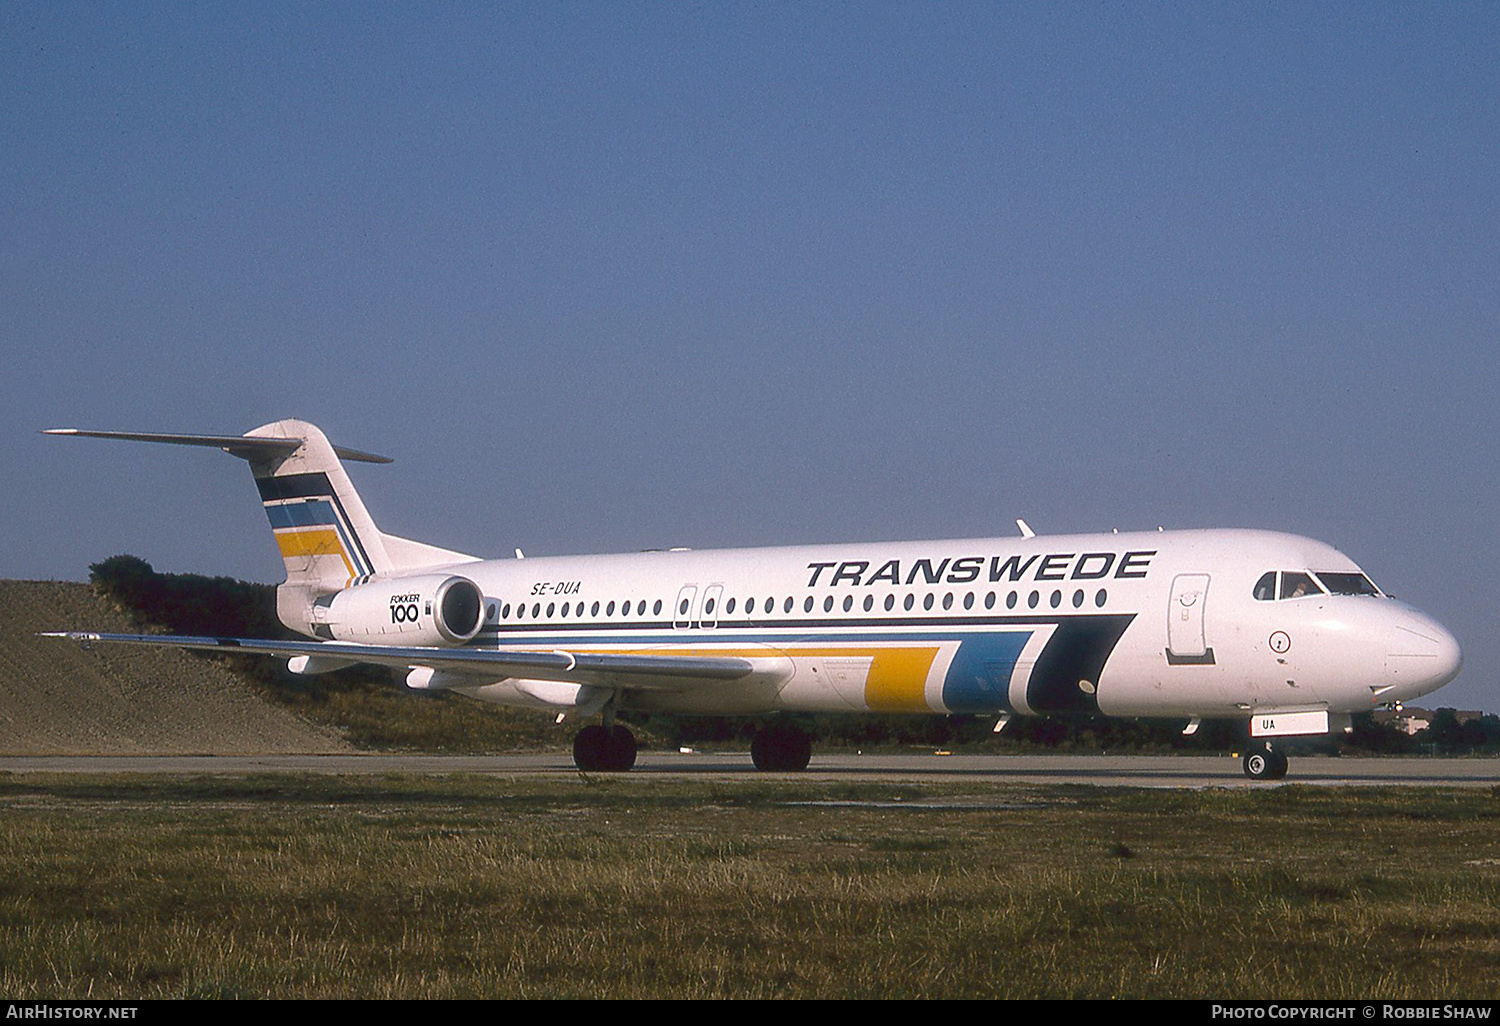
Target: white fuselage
(1148,624)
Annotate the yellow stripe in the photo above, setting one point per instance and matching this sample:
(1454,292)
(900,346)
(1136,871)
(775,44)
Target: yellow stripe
(898,680)
(309,543)
(323,542)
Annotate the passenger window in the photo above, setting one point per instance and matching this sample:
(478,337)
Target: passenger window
(1265,588)
(1297,585)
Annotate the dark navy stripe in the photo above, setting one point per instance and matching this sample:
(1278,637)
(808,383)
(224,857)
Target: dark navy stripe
(294,486)
(1076,652)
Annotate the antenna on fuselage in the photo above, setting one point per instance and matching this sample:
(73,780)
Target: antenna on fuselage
(1026,531)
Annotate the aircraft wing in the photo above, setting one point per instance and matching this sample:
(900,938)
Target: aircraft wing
(602,669)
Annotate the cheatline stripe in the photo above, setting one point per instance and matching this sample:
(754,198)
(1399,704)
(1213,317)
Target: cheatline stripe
(894,623)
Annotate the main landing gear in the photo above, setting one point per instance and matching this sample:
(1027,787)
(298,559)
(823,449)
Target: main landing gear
(777,748)
(1262,762)
(781,747)
(602,749)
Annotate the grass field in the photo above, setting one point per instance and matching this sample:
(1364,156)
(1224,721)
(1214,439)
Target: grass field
(423,886)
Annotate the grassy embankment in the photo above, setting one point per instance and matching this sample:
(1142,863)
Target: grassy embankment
(481,886)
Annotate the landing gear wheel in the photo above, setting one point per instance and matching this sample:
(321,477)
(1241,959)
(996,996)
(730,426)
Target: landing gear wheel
(1262,762)
(781,747)
(604,750)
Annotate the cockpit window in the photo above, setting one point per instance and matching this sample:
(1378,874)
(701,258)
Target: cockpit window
(1347,584)
(1265,588)
(1295,584)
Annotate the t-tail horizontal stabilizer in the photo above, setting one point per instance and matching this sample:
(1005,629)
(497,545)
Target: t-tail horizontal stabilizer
(243,446)
(325,536)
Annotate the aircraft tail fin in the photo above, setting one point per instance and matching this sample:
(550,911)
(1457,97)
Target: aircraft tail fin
(326,537)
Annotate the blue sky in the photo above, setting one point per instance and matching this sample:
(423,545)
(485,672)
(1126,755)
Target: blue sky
(618,276)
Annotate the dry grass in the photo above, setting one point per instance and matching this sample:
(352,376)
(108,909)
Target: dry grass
(634,887)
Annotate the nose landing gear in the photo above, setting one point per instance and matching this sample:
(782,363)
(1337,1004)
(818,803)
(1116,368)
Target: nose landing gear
(1262,762)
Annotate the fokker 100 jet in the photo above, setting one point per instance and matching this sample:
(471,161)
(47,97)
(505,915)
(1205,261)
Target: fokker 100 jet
(1281,631)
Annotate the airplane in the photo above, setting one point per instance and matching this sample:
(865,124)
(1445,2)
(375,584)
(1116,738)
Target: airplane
(1281,632)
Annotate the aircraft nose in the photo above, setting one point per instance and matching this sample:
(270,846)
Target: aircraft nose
(1423,656)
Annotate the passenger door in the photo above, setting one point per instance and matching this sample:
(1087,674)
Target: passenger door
(1187,643)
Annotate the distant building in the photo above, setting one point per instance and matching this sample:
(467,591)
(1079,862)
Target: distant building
(1411,720)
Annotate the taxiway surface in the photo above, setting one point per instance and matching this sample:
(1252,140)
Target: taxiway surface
(1102,770)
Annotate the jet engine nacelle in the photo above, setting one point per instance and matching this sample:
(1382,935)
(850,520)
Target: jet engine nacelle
(432,610)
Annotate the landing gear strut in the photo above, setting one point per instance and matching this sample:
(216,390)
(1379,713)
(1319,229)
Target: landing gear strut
(604,749)
(781,747)
(1262,762)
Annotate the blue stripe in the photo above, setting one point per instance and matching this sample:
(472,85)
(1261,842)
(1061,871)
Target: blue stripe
(315,513)
(979,678)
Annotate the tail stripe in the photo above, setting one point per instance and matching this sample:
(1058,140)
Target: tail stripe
(301,514)
(314,543)
(294,486)
(309,520)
